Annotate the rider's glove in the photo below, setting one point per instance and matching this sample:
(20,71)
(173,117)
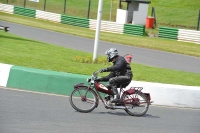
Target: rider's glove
(98,79)
(103,70)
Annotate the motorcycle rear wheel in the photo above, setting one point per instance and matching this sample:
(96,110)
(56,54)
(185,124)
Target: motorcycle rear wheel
(83,99)
(134,108)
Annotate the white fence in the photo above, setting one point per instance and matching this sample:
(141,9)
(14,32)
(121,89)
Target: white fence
(48,16)
(7,8)
(189,36)
(107,26)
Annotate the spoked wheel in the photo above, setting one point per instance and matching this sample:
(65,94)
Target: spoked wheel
(83,99)
(136,104)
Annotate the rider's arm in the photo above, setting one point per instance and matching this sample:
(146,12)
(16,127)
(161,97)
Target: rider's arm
(106,78)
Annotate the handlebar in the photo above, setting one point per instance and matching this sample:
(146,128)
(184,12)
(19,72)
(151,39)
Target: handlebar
(95,74)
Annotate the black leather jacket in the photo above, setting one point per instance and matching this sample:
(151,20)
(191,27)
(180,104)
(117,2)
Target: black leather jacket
(120,68)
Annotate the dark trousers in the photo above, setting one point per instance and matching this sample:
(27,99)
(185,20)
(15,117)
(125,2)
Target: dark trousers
(120,80)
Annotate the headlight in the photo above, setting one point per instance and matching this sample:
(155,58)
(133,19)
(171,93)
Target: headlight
(88,80)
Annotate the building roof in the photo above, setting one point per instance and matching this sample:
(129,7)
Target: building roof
(139,1)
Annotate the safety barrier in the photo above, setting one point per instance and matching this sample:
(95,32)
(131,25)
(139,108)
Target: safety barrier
(6,8)
(62,83)
(43,80)
(48,16)
(166,32)
(189,36)
(134,29)
(75,21)
(107,26)
(4,73)
(18,10)
(24,11)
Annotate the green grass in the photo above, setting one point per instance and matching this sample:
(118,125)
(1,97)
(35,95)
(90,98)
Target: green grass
(144,42)
(172,13)
(177,13)
(72,8)
(29,53)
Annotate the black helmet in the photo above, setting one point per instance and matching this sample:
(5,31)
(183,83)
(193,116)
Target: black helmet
(111,53)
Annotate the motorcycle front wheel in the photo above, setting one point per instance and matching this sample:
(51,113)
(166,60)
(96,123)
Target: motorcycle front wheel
(83,99)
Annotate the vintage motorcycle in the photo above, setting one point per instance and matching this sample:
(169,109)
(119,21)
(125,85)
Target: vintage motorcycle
(86,98)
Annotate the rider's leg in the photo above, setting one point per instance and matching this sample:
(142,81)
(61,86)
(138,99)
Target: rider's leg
(118,81)
(113,84)
(116,95)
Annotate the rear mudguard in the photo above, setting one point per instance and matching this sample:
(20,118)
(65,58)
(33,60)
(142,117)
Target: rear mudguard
(148,96)
(132,91)
(76,86)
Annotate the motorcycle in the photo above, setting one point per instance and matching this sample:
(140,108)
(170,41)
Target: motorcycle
(86,98)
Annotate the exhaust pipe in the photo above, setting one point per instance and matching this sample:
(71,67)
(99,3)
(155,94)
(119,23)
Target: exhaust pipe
(114,107)
(111,106)
(119,107)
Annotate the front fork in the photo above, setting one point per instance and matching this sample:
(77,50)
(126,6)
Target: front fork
(99,97)
(83,96)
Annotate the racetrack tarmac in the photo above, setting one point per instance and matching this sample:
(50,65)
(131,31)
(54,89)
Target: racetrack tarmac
(32,112)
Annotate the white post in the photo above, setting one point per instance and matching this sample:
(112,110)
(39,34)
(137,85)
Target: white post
(111,10)
(98,26)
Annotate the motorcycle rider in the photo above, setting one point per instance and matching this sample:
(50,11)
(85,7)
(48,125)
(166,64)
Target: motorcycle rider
(120,72)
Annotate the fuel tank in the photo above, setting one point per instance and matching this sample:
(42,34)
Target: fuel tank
(102,88)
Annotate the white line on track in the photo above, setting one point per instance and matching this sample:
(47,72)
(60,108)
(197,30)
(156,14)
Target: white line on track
(13,89)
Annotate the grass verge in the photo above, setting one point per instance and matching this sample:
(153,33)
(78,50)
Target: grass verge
(29,53)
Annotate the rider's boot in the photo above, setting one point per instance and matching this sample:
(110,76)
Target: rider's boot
(116,95)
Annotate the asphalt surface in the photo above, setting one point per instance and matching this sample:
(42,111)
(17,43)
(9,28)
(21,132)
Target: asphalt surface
(140,55)
(25,112)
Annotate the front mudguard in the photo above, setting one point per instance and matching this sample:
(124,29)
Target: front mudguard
(76,86)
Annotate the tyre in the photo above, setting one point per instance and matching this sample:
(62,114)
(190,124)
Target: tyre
(83,99)
(136,104)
